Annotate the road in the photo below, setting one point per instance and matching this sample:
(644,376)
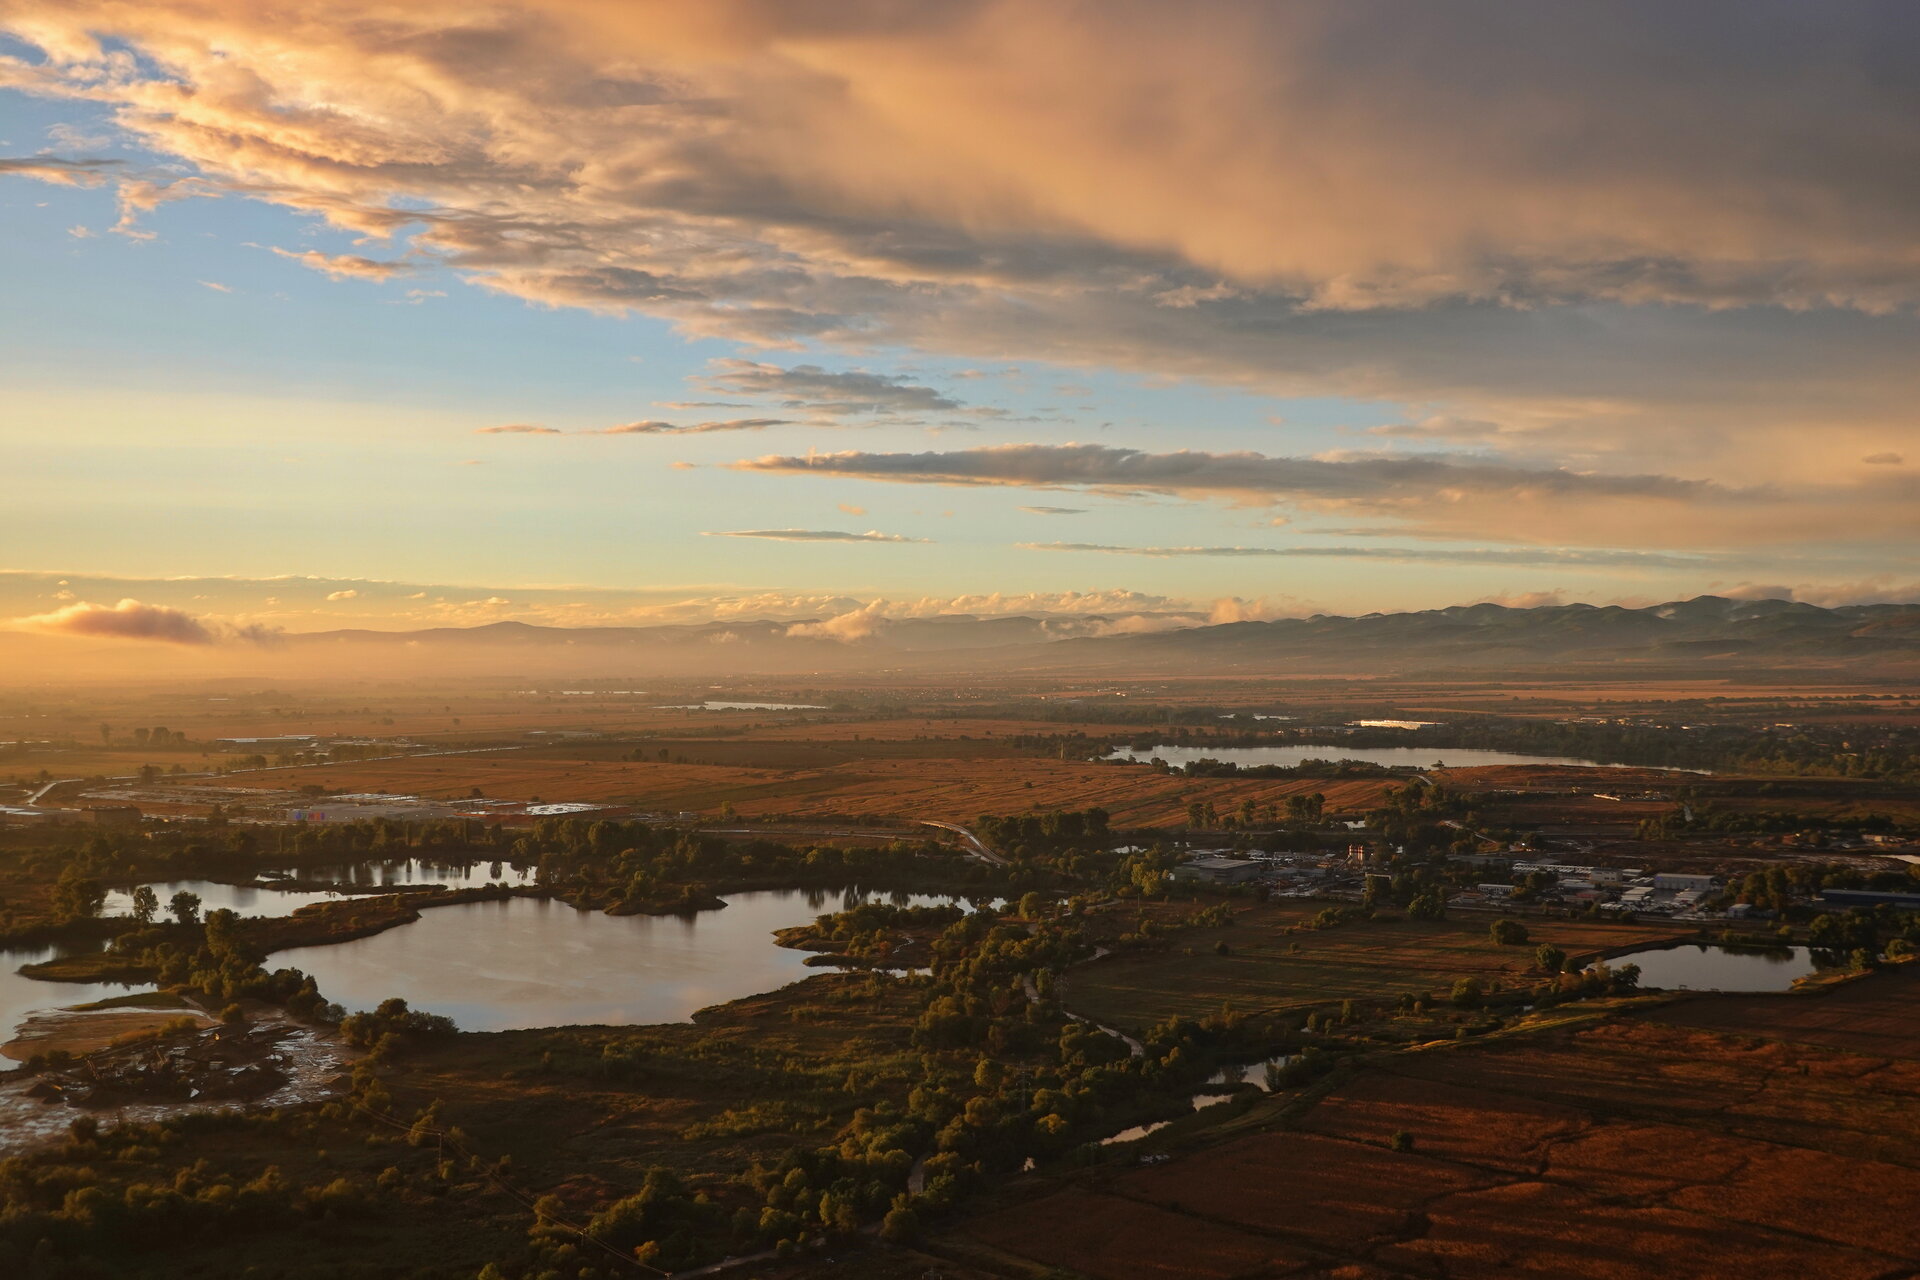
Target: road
(34,799)
(978,849)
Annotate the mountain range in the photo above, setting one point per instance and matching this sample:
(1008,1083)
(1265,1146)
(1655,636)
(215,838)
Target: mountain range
(1704,631)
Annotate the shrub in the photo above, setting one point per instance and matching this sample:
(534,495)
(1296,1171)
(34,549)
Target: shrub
(1508,933)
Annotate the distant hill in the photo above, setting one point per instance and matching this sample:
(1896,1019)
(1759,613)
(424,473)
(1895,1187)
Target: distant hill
(1688,633)
(1705,632)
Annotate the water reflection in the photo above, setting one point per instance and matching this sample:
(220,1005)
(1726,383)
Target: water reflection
(529,962)
(1224,1083)
(253,901)
(1699,967)
(1134,1134)
(21,996)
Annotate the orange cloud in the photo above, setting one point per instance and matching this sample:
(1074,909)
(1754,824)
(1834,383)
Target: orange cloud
(127,620)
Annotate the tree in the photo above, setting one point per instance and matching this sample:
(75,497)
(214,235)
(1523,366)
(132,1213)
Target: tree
(146,904)
(1031,905)
(76,896)
(1549,958)
(1508,933)
(901,1224)
(185,907)
(1466,993)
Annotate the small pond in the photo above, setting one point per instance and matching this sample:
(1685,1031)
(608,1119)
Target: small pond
(528,962)
(1134,1134)
(1701,967)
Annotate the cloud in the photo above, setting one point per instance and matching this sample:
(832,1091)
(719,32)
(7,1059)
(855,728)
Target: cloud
(1884,459)
(1439,427)
(1527,599)
(128,620)
(812,535)
(645,427)
(1234,609)
(348,594)
(808,386)
(1627,229)
(1239,475)
(653,428)
(1056,511)
(1596,558)
(849,627)
(59,169)
(346,266)
(850,509)
(216,286)
(1640,237)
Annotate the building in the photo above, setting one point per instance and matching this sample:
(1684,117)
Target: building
(1678,881)
(111,815)
(14,815)
(1217,870)
(360,812)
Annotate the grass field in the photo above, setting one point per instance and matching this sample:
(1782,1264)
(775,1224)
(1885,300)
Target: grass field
(1271,969)
(1612,1151)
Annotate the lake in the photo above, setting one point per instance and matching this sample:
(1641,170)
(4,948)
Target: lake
(1700,967)
(529,962)
(1293,753)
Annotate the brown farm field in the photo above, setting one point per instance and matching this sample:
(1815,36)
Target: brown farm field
(1613,1150)
(1272,965)
(945,779)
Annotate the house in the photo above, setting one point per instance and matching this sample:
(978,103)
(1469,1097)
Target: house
(1214,869)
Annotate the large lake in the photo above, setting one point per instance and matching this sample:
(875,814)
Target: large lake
(529,962)
(1293,753)
(1700,967)
(497,966)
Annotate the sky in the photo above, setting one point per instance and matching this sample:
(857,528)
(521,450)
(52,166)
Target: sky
(347,314)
